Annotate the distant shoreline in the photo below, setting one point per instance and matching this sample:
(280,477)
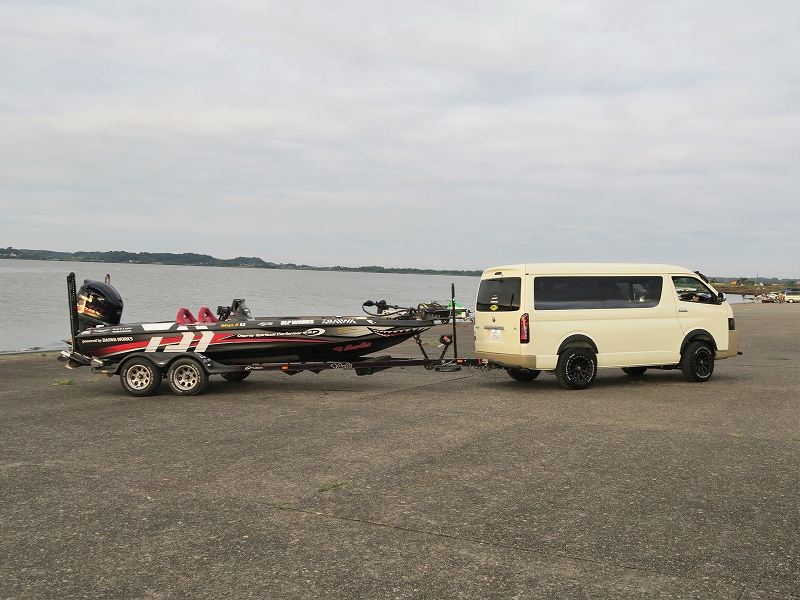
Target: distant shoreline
(190,259)
(204,260)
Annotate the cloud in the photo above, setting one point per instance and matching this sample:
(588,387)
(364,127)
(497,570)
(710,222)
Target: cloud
(452,135)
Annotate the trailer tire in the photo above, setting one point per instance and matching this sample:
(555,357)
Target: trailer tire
(140,377)
(187,377)
(236,376)
(521,374)
(576,368)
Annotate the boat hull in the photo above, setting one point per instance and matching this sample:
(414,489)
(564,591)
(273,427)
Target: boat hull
(261,340)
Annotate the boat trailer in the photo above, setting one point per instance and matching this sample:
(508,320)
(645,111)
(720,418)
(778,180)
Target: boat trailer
(187,372)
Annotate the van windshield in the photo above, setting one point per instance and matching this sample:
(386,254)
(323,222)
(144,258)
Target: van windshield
(501,294)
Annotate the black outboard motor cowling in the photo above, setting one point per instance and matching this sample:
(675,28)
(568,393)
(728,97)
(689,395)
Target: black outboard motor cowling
(98,304)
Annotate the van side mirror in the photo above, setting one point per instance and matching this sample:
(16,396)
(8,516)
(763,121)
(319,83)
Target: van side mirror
(720,298)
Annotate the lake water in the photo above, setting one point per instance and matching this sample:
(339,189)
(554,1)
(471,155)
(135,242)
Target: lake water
(33,294)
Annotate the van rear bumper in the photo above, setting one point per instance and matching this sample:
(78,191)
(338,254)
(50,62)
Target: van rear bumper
(733,346)
(508,360)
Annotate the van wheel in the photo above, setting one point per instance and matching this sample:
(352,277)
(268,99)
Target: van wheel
(576,368)
(523,374)
(634,371)
(235,375)
(697,362)
(140,377)
(186,377)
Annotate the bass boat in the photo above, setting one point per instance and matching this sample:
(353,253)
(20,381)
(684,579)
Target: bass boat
(233,336)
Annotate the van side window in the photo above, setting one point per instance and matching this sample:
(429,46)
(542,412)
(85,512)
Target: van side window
(631,292)
(579,293)
(501,294)
(690,289)
(565,293)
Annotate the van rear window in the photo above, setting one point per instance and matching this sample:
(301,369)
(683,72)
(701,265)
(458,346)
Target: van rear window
(576,293)
(501,294)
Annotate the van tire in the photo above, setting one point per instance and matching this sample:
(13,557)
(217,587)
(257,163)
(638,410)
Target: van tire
(634,371)
(187,377)
(697,362)
(576,368)
(521,374)
(140,377)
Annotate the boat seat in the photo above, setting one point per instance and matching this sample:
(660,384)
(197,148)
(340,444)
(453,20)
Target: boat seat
(185,317)
(206,316)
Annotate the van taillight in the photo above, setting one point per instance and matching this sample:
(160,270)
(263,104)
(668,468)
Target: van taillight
(524,331)
(731,324)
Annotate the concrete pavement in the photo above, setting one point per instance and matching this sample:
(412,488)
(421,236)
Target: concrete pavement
(408,483)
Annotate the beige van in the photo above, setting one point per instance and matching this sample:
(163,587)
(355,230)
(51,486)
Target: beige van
(574,318)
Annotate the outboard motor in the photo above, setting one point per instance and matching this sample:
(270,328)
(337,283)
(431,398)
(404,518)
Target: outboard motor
(98,303)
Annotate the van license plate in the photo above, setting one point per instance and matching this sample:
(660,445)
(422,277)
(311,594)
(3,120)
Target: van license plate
(495,335)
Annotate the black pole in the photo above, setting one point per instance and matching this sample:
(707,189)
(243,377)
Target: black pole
(72,296)
(453,313)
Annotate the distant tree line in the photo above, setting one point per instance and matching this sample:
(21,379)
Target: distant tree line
(750,281)
(205,260)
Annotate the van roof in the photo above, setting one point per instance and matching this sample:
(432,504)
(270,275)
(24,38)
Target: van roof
(589,269)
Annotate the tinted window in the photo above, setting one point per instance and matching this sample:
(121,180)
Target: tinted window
(499,294)
(565,293)
(573,293)
(631,292)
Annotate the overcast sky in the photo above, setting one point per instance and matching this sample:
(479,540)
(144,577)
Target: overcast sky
(425,134)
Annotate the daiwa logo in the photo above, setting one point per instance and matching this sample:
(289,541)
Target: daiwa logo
(184,345)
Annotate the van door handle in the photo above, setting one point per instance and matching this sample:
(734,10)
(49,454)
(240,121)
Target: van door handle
(683,310)
(493,327)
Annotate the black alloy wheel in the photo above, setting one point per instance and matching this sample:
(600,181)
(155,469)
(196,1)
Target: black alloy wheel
(576,368)
(697,362)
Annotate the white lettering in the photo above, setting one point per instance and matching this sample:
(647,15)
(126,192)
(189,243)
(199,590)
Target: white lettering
(181,346)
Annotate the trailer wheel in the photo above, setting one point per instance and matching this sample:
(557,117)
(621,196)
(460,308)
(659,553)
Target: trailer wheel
(186,377)
(634,371)
(236,376)
(140,377)
(523,374)
(576,368)
(697,362)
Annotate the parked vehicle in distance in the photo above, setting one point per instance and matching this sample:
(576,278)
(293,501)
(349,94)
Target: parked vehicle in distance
(770,297)
(576,318)
(791,295)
